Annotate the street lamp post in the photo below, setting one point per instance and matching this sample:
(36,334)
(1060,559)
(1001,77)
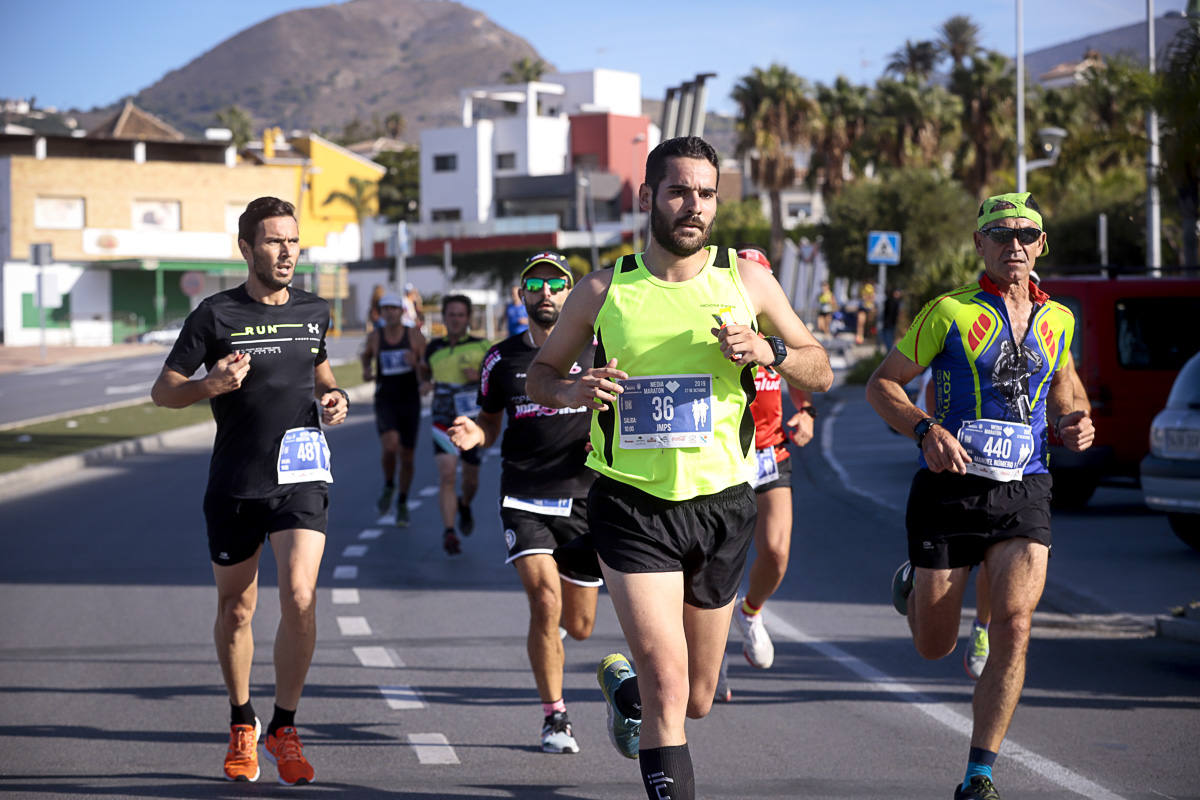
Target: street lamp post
(586,183)
(1153,205)
(1020,96)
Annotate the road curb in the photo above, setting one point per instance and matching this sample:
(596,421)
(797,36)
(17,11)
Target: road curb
(18,482)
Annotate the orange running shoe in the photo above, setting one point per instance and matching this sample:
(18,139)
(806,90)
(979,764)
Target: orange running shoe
(241,759)
(287,754)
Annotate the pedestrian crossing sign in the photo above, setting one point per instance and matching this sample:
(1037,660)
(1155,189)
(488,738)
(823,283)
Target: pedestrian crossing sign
(883,247)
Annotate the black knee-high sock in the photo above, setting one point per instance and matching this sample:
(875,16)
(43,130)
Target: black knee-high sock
(241,715)
(667,773)
(628,698)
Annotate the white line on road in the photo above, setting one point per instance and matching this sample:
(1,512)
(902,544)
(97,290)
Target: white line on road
(354,551)
(402,698)
(345,572)
(130,389)
(843,476)
(377,657)
(354,626)
(345,596)
(432,748)
(371,533)
(428,491)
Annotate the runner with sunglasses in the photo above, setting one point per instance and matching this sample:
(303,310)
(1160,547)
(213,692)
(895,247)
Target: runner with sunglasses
(1002,375)
(543,488)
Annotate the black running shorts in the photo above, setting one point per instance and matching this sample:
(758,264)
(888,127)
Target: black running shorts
(400,415)
(706,537)
(953,519)
(527,533)
(237,527)
(784,481)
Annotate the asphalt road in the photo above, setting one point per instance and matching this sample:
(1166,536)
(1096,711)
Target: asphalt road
(420,685)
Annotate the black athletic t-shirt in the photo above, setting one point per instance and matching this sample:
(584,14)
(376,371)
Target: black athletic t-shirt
(395,377)
(285,344)
(543,448)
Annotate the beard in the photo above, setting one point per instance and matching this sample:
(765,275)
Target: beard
(546,317)
(670,238)
(266,276)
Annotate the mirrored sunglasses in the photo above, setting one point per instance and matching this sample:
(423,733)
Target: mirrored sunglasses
(556,285)
(1000,235)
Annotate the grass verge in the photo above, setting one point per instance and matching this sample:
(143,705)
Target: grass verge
(34,444)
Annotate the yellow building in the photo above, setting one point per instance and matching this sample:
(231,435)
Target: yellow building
(142,228)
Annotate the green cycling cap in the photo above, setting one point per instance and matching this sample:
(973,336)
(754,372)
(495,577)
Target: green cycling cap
(1013,204)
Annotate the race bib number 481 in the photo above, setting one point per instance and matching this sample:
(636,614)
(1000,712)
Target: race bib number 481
(658,411)
(303,456)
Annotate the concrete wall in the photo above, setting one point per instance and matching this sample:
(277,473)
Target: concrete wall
(90,304)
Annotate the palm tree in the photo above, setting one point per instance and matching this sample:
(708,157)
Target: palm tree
(1177,101)
(959,39)
(987,89)
(238,121)
(840,125)
(362,197)
(775,117)
(524,70)
(915,58)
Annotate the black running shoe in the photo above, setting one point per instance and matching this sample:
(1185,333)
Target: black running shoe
(980,788)
(466,523)
(450,542)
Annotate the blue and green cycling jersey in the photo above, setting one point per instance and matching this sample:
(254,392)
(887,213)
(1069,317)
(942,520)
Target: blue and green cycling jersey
(979,372)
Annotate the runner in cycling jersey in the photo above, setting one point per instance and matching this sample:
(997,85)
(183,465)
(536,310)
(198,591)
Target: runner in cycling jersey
(1003,376)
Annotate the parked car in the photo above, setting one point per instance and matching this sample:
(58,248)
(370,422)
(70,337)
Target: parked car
(1132,335)
(1171,473)
(167,334)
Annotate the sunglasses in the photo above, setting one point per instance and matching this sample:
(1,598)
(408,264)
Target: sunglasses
(1000,235)
(555,285)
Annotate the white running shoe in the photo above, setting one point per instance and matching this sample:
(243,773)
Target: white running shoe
(756,643)
(557,735)
(976,655)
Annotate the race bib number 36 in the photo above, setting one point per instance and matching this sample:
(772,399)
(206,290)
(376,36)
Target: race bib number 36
(998,450)
(666,411)
(303,456)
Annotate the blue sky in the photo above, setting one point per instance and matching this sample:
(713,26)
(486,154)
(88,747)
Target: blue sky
(83,53)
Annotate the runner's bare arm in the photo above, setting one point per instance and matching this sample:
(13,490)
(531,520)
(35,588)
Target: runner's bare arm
(885,393)
(807,364)
(1067,408)
(546,381)
(484,430)
(333,401)
(175,390)
(368,354)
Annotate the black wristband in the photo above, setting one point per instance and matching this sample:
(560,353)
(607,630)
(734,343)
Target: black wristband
(810,410)
(343,393)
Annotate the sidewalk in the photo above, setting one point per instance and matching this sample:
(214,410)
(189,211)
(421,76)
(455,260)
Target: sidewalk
(14,359)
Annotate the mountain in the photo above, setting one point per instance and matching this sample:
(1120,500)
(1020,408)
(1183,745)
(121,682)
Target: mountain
(320,68)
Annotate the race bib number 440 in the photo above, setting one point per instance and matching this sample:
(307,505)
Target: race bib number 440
(658,411)
(303,456)
(998,450)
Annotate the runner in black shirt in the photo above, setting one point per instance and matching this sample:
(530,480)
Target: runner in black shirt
(270,386)
(393,353)
(543,488)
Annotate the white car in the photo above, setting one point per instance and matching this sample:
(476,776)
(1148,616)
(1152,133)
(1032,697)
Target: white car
(164,335)
(1171,473)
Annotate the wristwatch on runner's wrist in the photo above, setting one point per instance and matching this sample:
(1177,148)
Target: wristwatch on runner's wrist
(922,428)
(810,410)
(779,348)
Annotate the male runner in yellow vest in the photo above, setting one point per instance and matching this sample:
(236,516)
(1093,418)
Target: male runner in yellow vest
(672,512)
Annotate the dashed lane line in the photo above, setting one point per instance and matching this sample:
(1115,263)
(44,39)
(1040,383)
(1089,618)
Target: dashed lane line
(403,698)
(371,533)
(345,596)
(378,657)
(345,572)
(354,626)
(432,748)
(354,551)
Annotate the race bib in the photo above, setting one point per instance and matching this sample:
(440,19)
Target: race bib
(466,404)
(768,467)
(303,456)
(998,450)
(550,507)
(393,362)
(666,411)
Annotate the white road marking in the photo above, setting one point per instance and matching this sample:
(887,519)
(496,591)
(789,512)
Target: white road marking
(354,551)
(345,596)
(354,626)
(345,572)
(402,698)
(130,389)
(843,476)
(377,657)
(432,748)
(428,491)
(371,533)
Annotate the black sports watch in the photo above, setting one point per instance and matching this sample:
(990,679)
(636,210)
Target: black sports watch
(810,410)
(779,348)
(922,428)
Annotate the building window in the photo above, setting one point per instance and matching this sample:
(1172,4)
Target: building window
(506,160)
(155,215)
(446,214)
(58,213)
(447,162)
